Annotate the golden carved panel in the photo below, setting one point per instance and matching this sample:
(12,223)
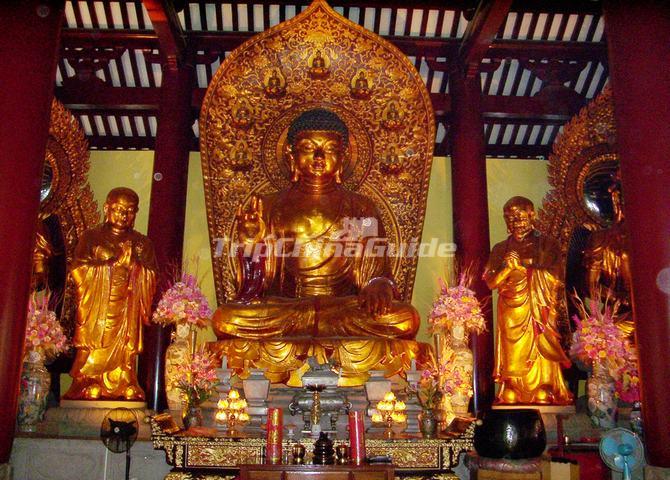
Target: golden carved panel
(317,59)
(587,139)
(70,198)
(221,456)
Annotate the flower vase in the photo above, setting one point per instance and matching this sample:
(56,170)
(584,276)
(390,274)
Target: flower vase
(463,361)
(191,415)
(35,385)
(178,353)
(428,423)
(602,403)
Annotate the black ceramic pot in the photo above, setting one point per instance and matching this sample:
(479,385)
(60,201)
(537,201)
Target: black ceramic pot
(514,434)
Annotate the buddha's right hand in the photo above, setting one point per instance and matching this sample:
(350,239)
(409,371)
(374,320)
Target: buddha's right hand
(250,224)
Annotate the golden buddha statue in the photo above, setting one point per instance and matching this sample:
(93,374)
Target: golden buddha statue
(524,269)
(114,271)
(608,265)
(313,277)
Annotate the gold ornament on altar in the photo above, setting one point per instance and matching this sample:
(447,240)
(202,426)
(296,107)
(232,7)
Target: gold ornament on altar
(390,410)
(355,188)
(114,271)
(524,270)
(232,411)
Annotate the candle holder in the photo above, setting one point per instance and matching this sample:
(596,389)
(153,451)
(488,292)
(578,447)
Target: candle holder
(232,411)
(389,411)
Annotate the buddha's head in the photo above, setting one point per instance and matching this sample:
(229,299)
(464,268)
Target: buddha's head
(316,145)
(519,213)
(120,208)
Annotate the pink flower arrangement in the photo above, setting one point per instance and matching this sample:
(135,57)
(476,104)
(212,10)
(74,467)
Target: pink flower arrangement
(44,334)
(457,306)
(428,391)
(183,302)
(197,378)
(628,383)
(598,339)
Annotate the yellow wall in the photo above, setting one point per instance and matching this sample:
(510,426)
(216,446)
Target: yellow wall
(505,179)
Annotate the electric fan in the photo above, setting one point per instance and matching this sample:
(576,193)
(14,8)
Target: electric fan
(622,451)
(119,431)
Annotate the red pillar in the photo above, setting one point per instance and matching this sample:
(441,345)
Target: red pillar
(638,37)
(166,213)
(29,36)
(471,215)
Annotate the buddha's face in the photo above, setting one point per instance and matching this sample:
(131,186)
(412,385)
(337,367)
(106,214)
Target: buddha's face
(317,155)
(120,212)
(519,220)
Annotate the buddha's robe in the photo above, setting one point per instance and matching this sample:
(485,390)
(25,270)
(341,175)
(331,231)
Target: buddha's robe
(528,354)
(113,302)
(317,261)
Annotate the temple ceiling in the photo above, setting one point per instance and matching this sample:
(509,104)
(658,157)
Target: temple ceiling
(546,60)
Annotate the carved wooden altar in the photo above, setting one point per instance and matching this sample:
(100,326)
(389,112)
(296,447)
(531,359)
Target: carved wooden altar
(217,458)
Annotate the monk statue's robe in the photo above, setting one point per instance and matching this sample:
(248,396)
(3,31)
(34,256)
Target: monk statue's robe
(114,271)
(528,354)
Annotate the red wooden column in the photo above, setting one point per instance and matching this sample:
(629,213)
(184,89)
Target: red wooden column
(471,215)
(29,37)
(166,213)
(638,36)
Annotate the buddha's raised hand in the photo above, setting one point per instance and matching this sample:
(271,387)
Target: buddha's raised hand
(250,223)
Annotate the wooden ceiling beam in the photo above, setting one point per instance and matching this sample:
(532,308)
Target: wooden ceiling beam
(415,46)
(510,151)
(593,7)
(126,100)
(481,31)
(168,29)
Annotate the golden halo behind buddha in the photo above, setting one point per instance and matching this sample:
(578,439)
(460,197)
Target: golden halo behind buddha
(315,60)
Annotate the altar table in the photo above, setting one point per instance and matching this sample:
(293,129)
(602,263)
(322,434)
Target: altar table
(316,472)
(219,457)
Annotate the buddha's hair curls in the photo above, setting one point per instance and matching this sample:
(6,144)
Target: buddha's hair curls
(318,119)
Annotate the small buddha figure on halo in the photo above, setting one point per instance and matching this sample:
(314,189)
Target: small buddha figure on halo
(361,87)
(318,67)
(392,163)
(242,113)
(391,117)
(114,271)
(274,86)
(317,288)
(524,270)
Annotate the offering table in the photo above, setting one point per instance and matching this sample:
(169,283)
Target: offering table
(220,457)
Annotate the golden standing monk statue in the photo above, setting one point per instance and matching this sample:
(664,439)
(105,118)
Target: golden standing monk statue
(317,285)
(524,270)
(114,271)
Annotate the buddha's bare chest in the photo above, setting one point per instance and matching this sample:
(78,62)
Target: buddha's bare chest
(308,222)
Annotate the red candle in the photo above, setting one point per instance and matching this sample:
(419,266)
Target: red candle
(273,449)
(356,437)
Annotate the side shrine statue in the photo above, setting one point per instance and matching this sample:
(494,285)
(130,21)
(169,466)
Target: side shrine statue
(315,262)
(524,270)
(114,271)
